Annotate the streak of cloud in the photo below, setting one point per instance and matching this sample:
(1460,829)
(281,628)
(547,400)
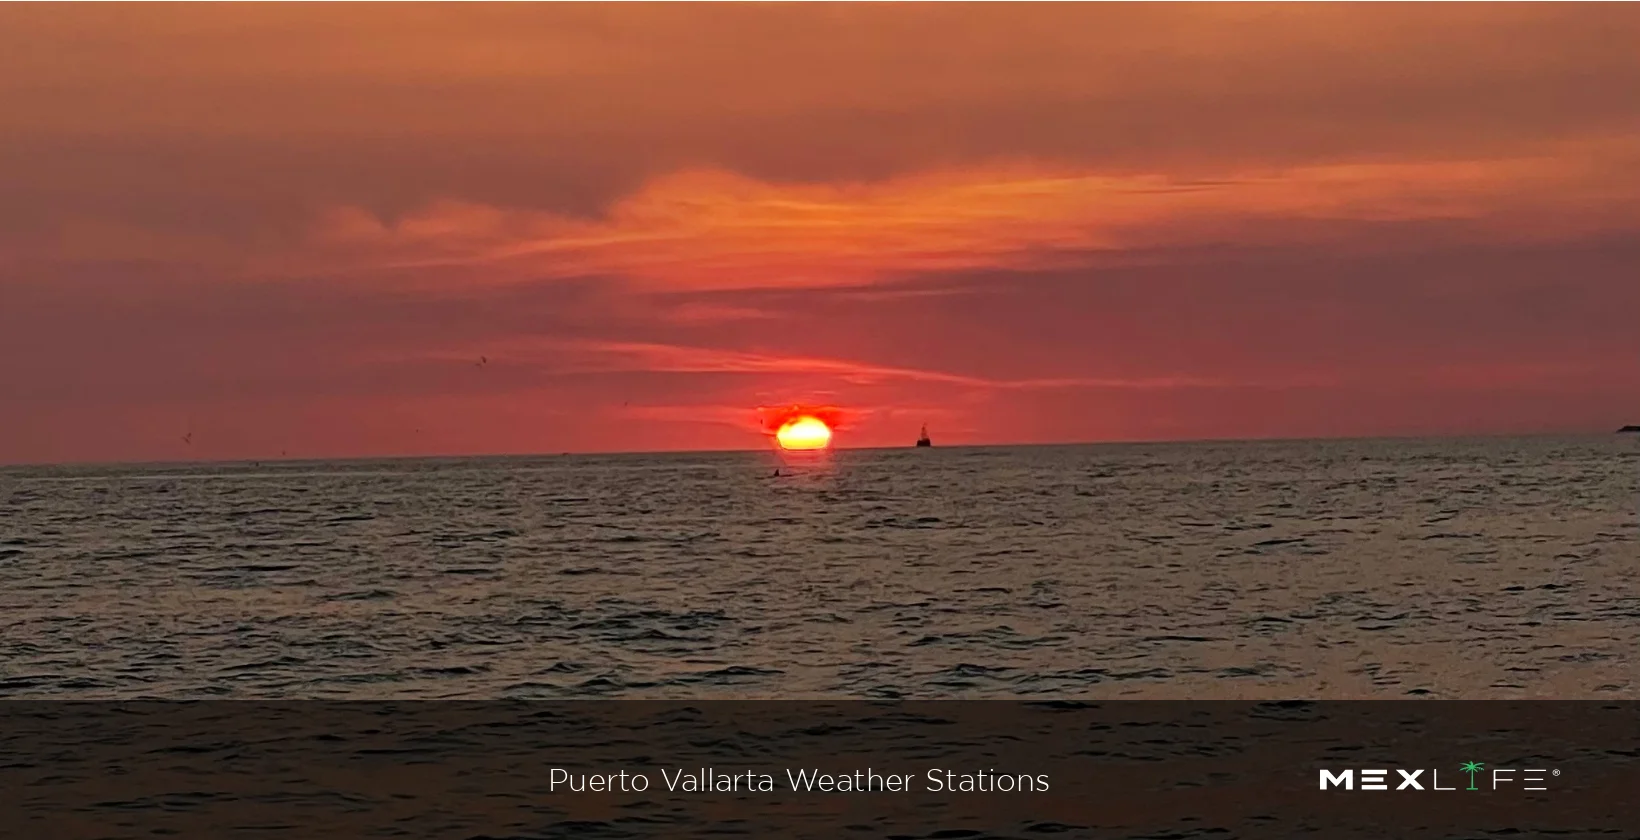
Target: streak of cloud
(718,230)
(605,357)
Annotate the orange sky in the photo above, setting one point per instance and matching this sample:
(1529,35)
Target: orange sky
(297,228)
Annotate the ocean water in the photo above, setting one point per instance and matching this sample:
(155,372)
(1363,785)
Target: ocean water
(1485,568)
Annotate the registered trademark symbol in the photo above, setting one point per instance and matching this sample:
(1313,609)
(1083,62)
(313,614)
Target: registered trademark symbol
(1554,773)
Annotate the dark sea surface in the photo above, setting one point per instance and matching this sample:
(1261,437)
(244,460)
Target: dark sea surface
(1486,568)
(1021,770)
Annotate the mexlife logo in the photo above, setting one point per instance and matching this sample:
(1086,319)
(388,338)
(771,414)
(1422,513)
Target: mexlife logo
(1503,778)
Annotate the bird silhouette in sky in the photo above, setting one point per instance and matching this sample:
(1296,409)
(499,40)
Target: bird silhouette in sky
(188,438)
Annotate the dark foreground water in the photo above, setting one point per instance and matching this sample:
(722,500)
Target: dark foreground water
(913,770)
(1470,569)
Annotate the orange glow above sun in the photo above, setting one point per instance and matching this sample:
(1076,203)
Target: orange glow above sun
(804,433)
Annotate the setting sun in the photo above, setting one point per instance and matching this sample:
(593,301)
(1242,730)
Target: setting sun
(804,433)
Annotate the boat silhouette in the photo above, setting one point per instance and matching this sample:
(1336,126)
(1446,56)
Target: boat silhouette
(922,440)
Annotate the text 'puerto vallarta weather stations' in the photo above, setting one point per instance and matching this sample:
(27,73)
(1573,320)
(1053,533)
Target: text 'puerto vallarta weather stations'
(806,780)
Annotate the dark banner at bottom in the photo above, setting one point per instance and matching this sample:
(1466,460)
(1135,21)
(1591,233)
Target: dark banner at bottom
(945,769)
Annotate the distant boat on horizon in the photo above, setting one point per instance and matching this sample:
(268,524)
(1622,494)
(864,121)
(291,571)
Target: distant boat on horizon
(922,439)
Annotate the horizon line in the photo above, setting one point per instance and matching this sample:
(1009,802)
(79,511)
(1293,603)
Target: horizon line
(285,459)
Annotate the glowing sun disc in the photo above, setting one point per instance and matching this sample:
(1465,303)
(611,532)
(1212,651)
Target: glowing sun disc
(804,433)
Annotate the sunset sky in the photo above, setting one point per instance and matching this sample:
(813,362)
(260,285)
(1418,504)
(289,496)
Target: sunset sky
(298,228)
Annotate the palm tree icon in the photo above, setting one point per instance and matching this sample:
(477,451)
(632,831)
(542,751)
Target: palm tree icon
(1471,768)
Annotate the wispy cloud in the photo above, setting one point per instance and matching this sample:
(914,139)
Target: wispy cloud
(608,357)
(719,230)
(698,312)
